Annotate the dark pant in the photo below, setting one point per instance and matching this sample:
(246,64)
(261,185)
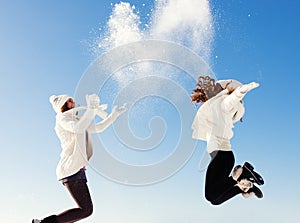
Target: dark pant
(219,185)
(80,192)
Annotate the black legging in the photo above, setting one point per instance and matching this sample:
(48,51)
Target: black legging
(80,192)
(219,186)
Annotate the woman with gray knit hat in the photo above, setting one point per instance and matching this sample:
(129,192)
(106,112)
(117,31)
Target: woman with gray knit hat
(74,132)
(222,106)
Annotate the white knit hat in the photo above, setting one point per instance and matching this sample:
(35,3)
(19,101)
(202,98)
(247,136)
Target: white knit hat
(58,101)
(232,86)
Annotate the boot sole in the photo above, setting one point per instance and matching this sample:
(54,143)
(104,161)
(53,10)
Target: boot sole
(258,193)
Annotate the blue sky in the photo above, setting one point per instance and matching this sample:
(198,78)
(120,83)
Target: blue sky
(45,50)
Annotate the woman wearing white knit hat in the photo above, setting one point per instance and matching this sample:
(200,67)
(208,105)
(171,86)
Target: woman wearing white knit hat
(74,134)
(221,107)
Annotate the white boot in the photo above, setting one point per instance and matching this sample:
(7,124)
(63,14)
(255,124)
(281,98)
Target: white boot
(245,185)
(247,195)
(237,171)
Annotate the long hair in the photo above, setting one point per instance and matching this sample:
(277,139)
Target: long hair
(206,88)
(64,108)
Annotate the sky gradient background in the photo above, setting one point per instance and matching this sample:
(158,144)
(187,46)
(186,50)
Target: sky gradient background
(46,47)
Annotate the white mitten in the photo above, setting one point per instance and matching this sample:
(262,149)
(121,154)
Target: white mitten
(92,101)
(116,111)
(248,87)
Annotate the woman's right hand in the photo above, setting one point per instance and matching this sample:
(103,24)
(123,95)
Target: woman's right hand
(248,87)
(116,111)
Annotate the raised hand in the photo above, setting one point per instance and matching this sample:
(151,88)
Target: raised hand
(248,87)
(116,111)
(92,101)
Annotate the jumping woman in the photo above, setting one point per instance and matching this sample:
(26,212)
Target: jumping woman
(74,132)
(222,106)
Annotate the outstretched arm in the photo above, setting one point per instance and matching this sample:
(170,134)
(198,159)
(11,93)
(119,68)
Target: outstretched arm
(238,95)
(101,126)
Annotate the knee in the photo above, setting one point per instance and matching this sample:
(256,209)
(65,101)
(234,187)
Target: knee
(212,200)
(209,196)
(88,211)
(215,202)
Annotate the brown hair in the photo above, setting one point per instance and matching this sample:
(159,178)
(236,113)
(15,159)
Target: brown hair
(64,107)
(206,88)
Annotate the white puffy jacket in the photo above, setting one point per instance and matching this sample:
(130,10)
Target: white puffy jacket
(217,115)
(74,134)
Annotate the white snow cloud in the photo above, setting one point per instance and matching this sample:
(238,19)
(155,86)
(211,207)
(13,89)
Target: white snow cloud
(188,22)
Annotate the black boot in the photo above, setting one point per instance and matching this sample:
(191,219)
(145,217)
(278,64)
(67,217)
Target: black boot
(50,219)
(249,174)
(258,193)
